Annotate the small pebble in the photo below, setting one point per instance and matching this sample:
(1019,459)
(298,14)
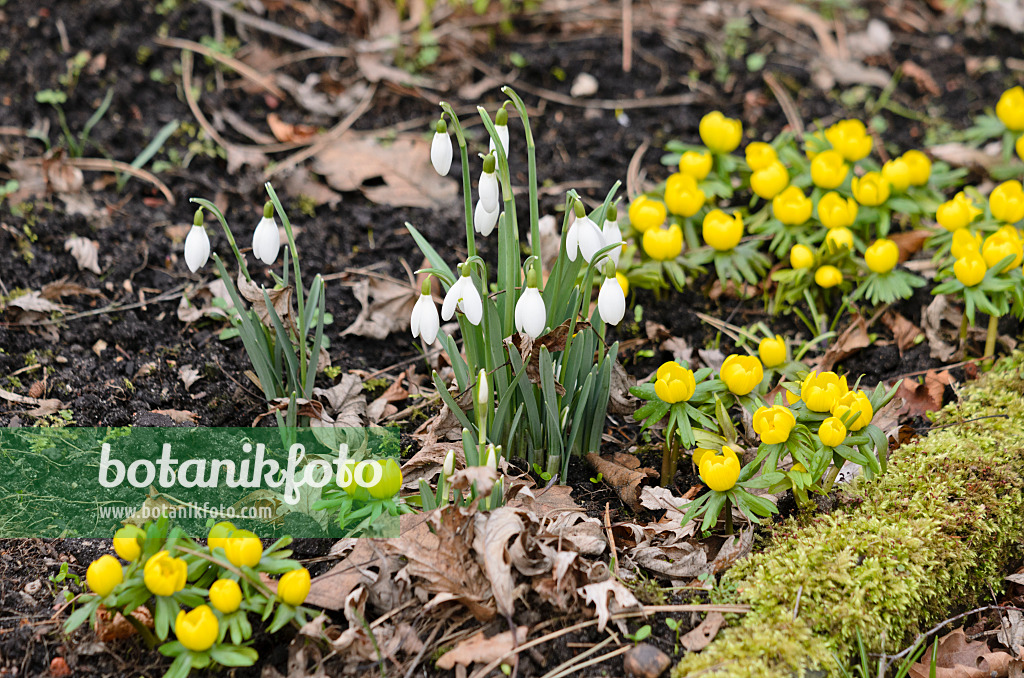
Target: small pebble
(59,668)
(584,85)
(645,661)
(33,587)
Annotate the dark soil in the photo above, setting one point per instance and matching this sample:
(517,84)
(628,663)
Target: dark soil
(578,147)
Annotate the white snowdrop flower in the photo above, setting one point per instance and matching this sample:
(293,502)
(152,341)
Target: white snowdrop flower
(484,221)
(266,239)
(488,185)
(464,296)
(611,235)
(611,302)
(483,389)
(441,149)
(531,315)
(449,464)
(583,237)
(501,127)
(424,321)
(197,244)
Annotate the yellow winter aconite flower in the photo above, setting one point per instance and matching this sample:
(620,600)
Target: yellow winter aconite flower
(243,548)
(854,401)
(698,454)
(828,276)
(294,586)
(956,213)
(831,432)
(696,164)
(1020,146)
(835,211)
(964,241)
(772,351)
(741,373)
(663,244)
(722,231)
(792,207)
(164,575)
(674,383)
(197,629)
(769,181)
(897,173)
(719,133)
(1003,243)
(1007,202)
(970,269)
(871,190)
(829,169)
(219,534)
(760,155)
(801,256)
(774,424)
(850,138)
(623,282)
(821,391)
(1010,108)
(225,595)
(882,255)
(390,480)
(646,213)
(837,238)
(104,574)
(720,471)
(683,196)
(126,542)
(920,167)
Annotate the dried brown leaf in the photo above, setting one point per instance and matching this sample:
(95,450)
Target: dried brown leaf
(42,408)
(608,597)
(960,658)
(85,252)
(179,416)
(921,397)
(480,649)
(701,636)
(961,155)
(189,375)
(34,302)
(853,338)
(625,481)
(385,307)
(903,331)
(493,532)
(288,133)
(281,299)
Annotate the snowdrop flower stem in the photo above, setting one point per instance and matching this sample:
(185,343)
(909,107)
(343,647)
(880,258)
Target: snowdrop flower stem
(531,159)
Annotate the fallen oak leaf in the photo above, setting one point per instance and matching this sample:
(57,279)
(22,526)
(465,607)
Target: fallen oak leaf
(385,306)
(906,333)
(480,649)
(625,481)
(958,657)
(608,597)
(924,396)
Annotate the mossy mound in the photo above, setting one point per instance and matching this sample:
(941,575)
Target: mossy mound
(928,536)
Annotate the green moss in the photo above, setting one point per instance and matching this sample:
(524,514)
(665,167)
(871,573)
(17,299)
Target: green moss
(935,531)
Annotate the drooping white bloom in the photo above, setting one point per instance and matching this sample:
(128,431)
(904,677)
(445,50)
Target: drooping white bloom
(488,187)
(584,237)
(611,235)
(441,150)
(424,321)
(531,315)
(266,241)
(502,131)
(611,302)
(484,221)
(449,463)
(464,296)
(197,248)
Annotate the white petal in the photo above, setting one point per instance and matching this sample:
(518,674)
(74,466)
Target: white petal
(590,239)
(451,299)
(484,221)
(441,153)
(611,235)
(424,322)
(531,315)
(488,188)
(266,241)
(471,304)
(572,242)
(611,302)
(197,248)
(502,131)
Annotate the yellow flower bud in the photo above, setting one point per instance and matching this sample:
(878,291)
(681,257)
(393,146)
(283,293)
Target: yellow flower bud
(792,207)
(1020,146)
(897,173)
(243,548)
(1007,202)
(225,595)
(851,402)
(769,182)
(850,138)
(294,586)
(662,244)
(964,241)
(682,196)
(722,231)
(821,391)
(772,351)
(695,164)
(674,383)
(956,213)
(801,256)
(882,255)
(774,424)
(1010,109)
(197,629)
(103,575)
(970,269)
(390,481)
(741,373)
(646,213)
(837,238)
(219,534)
(164,575)
(829,169)
(828,276)
(760,155)
(720,471)
(719,133)
(126,542)
(832,432)
(698,454)
(791,397)
(835,211)
(623,283)
(920,167)
(872,189)
(1003,243)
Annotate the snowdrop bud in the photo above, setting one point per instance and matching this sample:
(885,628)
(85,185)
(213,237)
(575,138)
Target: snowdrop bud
(492,457)
(501,127)
(424,322)
(266,240)
(197,244)
(611,302)
(488,185)
(611,235)
(464,296)
(441,149)
(531,314)
(484,221)
(449,463)
(483,389)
